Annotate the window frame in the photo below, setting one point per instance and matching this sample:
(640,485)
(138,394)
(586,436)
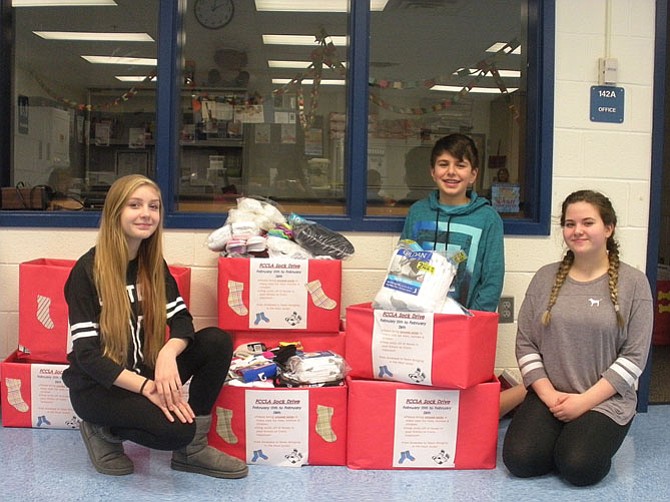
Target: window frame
(539,136)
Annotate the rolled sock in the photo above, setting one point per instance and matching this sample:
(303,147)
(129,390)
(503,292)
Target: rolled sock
(236,246)
(218,239)
(256,244)
(245,229)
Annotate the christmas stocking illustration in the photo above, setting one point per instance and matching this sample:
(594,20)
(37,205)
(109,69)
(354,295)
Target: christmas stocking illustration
(43,314)
(235,300)
(224,426)
(319,297)
(14,397)
(324,425)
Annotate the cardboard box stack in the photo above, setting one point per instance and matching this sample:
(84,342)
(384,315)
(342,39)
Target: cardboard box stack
(33,393)
(267,302)
(31,387)
(422,391)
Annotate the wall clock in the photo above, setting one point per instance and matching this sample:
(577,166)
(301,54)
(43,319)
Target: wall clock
(214,14)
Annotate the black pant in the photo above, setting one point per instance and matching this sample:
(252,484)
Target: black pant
(132,416)
(581,451)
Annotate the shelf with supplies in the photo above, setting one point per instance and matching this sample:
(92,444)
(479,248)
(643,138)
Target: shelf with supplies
(119,140)
(212,140)
(216,143)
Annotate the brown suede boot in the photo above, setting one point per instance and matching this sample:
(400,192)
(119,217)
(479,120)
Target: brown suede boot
(106,453)
(201,458)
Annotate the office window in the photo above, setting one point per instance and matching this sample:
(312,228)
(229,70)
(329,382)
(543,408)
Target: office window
(262,107)
(324,122)
(84,98)
(462,69)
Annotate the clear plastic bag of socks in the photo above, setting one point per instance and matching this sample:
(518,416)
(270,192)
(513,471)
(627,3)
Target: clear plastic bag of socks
(313,369)
(416,280)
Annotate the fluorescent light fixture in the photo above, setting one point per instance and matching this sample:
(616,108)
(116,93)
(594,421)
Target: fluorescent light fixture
(61,3)
(134,78)
(478,90)
(121,60)
(91,35)
(499,45)
(309,81)
(313,5)
(300,40)
(502,73)
(273,63)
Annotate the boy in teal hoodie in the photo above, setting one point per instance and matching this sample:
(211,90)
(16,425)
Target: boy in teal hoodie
(454,218)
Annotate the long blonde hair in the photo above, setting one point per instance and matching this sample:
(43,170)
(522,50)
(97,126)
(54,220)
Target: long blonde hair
(109,273)
(608,215)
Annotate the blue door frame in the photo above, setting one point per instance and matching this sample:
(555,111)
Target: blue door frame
(656,181)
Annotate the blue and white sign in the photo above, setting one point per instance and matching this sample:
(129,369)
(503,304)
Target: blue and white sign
(607,103)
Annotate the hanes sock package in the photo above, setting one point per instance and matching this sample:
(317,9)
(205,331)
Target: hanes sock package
(416,281)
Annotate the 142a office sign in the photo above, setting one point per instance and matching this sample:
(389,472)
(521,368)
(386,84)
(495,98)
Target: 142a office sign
(607,104)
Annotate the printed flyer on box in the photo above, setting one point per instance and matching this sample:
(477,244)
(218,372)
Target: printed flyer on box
(277,425)
(402,346)
(51,406)
(278,294)
(426,428)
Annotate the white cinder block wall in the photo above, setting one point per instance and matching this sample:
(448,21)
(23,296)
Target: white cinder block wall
(613,158)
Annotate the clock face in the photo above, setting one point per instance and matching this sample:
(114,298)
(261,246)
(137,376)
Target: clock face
(214,14)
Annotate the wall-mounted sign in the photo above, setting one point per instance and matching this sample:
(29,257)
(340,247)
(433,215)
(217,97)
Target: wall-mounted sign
(607,103)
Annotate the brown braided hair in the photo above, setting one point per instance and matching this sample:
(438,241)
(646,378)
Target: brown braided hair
(607,214)
(561,274)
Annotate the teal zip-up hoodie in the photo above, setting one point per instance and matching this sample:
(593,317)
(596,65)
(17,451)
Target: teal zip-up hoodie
(475,228)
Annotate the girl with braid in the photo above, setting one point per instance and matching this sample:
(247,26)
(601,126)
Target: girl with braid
(584,332)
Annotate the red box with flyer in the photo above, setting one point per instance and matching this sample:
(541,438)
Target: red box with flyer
(279,294)
(43,313)
(34,395)
(441,350)
(313,342)
(285,427)
(43,322)
(400,426)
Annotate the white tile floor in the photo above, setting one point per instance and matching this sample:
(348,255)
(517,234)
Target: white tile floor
(52,465)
